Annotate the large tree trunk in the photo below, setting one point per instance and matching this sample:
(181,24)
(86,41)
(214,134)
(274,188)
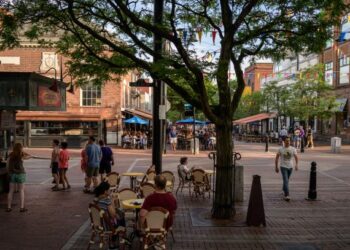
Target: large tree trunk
(223,205)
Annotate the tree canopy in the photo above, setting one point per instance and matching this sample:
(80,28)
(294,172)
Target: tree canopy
(125,29)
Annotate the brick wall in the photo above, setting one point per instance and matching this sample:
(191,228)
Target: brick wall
(30,61)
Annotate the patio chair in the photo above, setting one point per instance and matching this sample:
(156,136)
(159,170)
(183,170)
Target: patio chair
(169,176)
(113,179)
(155,233)
(200,182)
(126,194)
(103,228)
(146,189)
(183,182)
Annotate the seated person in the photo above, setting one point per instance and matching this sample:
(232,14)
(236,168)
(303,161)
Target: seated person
(185,172)
(160,198)
(104,201)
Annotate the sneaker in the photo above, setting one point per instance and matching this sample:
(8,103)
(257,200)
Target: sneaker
(287,198)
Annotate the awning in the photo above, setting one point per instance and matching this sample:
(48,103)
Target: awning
(140,113)
(254,118)
(340,104)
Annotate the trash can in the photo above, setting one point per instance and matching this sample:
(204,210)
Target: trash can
(195,150)
(335,144)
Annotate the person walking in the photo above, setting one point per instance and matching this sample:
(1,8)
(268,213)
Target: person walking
(286,153)
(63,165)
(107,160)
(54,164)
(297,137)
(283,134)
(310,138)
(17,175)
(173,138)
(94,156)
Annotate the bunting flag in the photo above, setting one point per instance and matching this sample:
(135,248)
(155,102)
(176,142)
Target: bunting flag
(348,18)
(213,34)
(199,33)
(54,86)
(300,75)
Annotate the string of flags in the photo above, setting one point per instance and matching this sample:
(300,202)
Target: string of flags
(189,34)
(301,75)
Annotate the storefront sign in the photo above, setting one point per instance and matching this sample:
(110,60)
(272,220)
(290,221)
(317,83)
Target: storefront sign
(7,119)
(48,98)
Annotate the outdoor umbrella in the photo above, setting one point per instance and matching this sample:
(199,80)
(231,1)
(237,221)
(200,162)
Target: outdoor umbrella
(190,121)
(136,120)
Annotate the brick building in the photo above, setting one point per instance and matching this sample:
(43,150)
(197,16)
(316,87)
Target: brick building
(336,58)
(90,110)
(255,72)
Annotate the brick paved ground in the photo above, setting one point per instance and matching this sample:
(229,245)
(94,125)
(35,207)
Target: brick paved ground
(299,224)
(57,219)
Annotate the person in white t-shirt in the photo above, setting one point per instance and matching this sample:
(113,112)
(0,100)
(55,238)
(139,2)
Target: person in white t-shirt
(286,153)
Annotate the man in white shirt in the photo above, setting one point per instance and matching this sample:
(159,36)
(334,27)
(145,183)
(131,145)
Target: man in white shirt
(286,153)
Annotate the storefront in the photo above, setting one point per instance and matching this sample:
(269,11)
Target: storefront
(26,91)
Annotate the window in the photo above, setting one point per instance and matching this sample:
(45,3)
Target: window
(345,26)
(344,62)
(90,96)
(328,76)
(329,42)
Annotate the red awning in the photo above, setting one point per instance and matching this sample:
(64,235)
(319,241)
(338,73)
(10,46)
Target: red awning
(254,118)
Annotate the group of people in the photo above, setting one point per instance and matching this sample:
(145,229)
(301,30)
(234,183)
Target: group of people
(115,216)
(298,135)
(132,139)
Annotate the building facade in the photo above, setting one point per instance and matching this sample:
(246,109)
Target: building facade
(255,72)
(90,110)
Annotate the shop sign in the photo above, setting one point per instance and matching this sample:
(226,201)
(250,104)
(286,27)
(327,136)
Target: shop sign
(48,98)
(7,120)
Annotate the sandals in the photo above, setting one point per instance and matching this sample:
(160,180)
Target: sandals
(23,210)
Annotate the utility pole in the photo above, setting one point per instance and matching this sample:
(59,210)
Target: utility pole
(157,130)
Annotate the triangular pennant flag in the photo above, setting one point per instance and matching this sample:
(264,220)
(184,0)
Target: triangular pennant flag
(213,34)
(199,33)
(54,86)
(348,18)
(301,75)
(342,37)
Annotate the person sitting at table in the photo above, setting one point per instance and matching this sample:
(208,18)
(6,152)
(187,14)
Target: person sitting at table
(104,201)
(160,198)
(184,170)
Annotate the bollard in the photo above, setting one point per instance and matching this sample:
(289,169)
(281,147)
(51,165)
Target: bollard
(302,145)
(256,212)
(312,194)
(267,143)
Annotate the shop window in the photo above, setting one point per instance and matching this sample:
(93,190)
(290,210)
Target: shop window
(20,128)
(90,96)
(66,128)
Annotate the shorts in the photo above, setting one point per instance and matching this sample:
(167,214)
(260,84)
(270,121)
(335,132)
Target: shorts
(173,140)
(105,168)
(92,172)
(18,178)
(62,170)
(54,167)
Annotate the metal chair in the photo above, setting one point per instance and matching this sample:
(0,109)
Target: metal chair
(113,179)
(102,227)
(169,176)
(183,182)
(200,182)
(146,189)
(155,233)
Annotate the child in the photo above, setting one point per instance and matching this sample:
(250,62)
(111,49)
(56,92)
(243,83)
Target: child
(63,165)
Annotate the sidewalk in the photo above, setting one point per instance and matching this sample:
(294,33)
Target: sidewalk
(298,224)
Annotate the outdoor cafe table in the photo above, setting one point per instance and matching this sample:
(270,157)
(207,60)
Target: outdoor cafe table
(133,176)
(168,183)
(133,204)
